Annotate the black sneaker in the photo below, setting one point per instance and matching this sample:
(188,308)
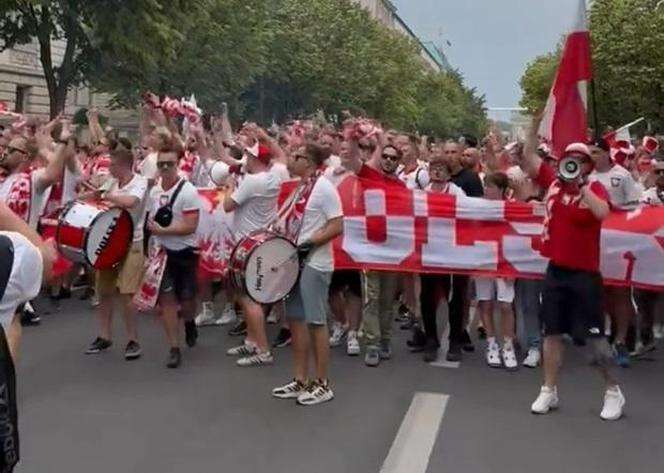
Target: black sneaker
(239,329)
(417,343)
(454,352)
(29,317)
(133,350)
(87,294)
(65,293)
(409,324)
(466,342)
(190,333)
(98,346)
(481,333)
(283,338)
(430,352)
(174,358)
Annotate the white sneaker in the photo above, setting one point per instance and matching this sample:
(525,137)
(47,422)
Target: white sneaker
(291,390)
(246,349)
(493,356)
(228,316)
(614,401)
(547,400)
(352,344)
(273,318)
(509,357)
(206,315)
(316,393)
(533,358)
(338,332)
(258,359)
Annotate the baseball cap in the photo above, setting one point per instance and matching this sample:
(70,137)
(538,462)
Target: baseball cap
(578,148)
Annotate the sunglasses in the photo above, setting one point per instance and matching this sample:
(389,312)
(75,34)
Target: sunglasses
(11,149)
(165,164)
(391,157)
(299,156)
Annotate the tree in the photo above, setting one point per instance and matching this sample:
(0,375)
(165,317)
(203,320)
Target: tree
(537,80)
(94,31)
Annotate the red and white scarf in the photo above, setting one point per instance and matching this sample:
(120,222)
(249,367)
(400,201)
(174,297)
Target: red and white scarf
(146,297)
(291,214)
(19,197)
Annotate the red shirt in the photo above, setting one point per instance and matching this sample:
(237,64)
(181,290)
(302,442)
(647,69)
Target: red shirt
(367,172)
(571,237)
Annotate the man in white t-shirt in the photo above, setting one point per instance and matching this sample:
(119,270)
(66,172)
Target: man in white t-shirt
(177,293)
(254,205)
(128,191)
(624,193)
(306,308)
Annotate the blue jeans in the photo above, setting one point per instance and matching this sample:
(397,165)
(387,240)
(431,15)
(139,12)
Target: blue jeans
(527,303)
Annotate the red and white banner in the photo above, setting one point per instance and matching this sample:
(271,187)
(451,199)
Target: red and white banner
(214,234)
(395,229)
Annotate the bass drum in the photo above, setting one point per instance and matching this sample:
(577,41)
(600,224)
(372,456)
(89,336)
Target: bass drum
(94,234)
(265,265)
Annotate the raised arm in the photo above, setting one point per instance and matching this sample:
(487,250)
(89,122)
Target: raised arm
(531,161)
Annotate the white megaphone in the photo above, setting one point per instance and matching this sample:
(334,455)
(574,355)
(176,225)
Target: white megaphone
(569,169)
(219,173)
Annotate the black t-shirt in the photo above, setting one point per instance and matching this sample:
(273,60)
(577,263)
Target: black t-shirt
(469,182)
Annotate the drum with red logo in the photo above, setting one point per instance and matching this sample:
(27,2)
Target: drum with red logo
(94,234)
(265,265)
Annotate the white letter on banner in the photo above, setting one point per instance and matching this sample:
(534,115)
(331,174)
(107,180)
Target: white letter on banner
(518,250)
(400,234)
(442,249)
(636,253)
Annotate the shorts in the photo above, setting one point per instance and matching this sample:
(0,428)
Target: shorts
(346,280)
(491,289)
(180,274)
(308,301)
(572,303)
(125,277)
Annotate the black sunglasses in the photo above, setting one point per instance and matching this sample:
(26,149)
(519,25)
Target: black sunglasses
(11,149)
(391,157)
(165,164)
(300,156)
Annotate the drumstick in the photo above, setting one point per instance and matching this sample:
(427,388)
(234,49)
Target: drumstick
(289,259)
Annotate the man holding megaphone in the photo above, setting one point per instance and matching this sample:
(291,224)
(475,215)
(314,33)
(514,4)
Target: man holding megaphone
(572,295)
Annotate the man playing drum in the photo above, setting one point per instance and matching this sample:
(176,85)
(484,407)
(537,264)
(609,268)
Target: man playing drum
(128,191)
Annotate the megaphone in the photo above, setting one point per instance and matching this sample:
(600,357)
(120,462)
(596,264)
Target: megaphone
(219,172)
(569,169)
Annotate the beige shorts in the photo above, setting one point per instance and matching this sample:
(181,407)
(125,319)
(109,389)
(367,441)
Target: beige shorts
(126,277)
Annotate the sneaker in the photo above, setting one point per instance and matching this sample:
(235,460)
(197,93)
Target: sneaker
(228,316)
(466,342)
(190,333)
(174,358)
(546,401)
(98,346)
(246,349)
(493,356)
(385,352)
(644,347)
(338,333)
(533,358)
(206,317)
(132,350)
(291,390)
(283,338)
(481,333)
(614,401)
(409,324)
(316,393)
(272,318)
(454,352)
(372,356)
(258,359)
(509,357)
(28,316)
(621,355)
(418,342)
(403,314)
(64,293)
(430,352)
(352,344)
(240,329)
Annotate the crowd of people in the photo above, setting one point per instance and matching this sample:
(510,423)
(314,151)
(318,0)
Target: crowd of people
(155,178)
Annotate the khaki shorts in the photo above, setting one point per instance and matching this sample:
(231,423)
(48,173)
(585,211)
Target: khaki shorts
(125,277)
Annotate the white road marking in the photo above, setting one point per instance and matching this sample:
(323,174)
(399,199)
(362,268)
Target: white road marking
(412,447)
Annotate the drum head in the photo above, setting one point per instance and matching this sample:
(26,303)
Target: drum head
(272,271)
(109,238)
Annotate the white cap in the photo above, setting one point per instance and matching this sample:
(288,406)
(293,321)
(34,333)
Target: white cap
(580,148)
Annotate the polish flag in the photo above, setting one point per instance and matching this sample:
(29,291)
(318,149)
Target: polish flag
(620,141)
(564,119)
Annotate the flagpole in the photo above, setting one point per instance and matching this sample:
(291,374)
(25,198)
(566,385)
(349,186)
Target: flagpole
(594,107)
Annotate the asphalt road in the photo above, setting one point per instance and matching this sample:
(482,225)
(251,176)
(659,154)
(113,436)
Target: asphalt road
(102,414)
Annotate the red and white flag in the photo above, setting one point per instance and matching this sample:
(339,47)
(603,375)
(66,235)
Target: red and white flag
(620,141)
(564,119)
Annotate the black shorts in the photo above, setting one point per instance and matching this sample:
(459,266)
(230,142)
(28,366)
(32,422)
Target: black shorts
(346,280)
(572,303)
(180,274)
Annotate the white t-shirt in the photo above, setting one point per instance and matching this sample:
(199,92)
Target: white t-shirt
(136,187)
(148,167)
(623,190)
(452,188)
(25,277)
(650,197)
(187,202)
(416,179)
(324,204)
(38,199)
(281,170)
(256,199)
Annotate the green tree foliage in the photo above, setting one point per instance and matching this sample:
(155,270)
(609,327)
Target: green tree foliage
(628,63)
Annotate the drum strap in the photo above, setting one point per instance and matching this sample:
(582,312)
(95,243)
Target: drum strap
(291,214)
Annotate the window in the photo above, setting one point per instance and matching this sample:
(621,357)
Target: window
(22,93)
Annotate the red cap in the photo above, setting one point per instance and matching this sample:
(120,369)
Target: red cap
(650,144)
(264,154)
